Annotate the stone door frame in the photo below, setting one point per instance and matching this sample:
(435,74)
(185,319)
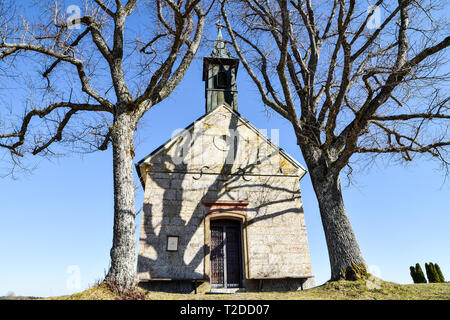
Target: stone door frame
(223,209)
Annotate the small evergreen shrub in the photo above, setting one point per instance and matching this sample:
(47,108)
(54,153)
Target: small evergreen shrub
(432,275)
(417,274)
(439,272)
(412,272)
(429,273)
(420,276)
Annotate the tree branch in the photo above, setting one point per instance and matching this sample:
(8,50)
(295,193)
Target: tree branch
(41,113)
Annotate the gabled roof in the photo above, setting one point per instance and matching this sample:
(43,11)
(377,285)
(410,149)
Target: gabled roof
(162,147)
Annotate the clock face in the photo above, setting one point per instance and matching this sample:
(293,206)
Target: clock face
(222,142)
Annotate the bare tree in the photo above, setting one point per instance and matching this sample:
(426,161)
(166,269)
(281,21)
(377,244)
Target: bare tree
(97,79)
(351,79)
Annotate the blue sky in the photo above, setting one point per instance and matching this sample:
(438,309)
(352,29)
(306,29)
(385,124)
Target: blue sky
(61,215)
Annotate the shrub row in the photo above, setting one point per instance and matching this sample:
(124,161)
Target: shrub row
(434,273)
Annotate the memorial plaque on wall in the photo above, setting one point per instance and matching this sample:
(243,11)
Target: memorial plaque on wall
(172,243)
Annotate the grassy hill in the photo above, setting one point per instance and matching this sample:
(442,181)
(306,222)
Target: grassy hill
(340,290)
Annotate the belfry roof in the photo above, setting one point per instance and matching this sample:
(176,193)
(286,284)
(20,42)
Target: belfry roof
(220,49)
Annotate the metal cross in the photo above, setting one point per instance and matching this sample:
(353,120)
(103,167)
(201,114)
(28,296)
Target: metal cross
(219,26)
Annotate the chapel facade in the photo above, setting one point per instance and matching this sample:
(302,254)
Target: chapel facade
(222,204)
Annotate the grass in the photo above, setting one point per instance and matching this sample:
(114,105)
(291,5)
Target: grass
(339,290)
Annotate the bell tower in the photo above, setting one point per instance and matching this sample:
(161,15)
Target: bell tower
(219,74)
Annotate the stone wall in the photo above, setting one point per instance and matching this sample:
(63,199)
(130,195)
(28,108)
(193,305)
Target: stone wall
(275,230)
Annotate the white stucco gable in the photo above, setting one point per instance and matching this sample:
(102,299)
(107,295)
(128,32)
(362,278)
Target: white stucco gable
(221,140)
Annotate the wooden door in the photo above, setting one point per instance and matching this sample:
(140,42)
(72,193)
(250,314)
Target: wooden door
(233,255)
(217,257)
(225,254)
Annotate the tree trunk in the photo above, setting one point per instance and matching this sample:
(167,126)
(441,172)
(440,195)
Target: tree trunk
(123,253)
(345,255)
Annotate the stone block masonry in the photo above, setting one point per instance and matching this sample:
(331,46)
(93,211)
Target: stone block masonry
(276,245)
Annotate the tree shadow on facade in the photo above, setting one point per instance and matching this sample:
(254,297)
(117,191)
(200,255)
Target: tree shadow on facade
(169,270)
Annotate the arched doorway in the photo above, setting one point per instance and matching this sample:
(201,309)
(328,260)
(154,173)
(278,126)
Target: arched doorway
(226,253)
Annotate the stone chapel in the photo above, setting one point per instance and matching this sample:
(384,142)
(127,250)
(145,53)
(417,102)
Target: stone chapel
(222,206)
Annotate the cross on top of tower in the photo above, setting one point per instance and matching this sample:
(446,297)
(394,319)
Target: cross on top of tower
(220,50)
(218,25)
